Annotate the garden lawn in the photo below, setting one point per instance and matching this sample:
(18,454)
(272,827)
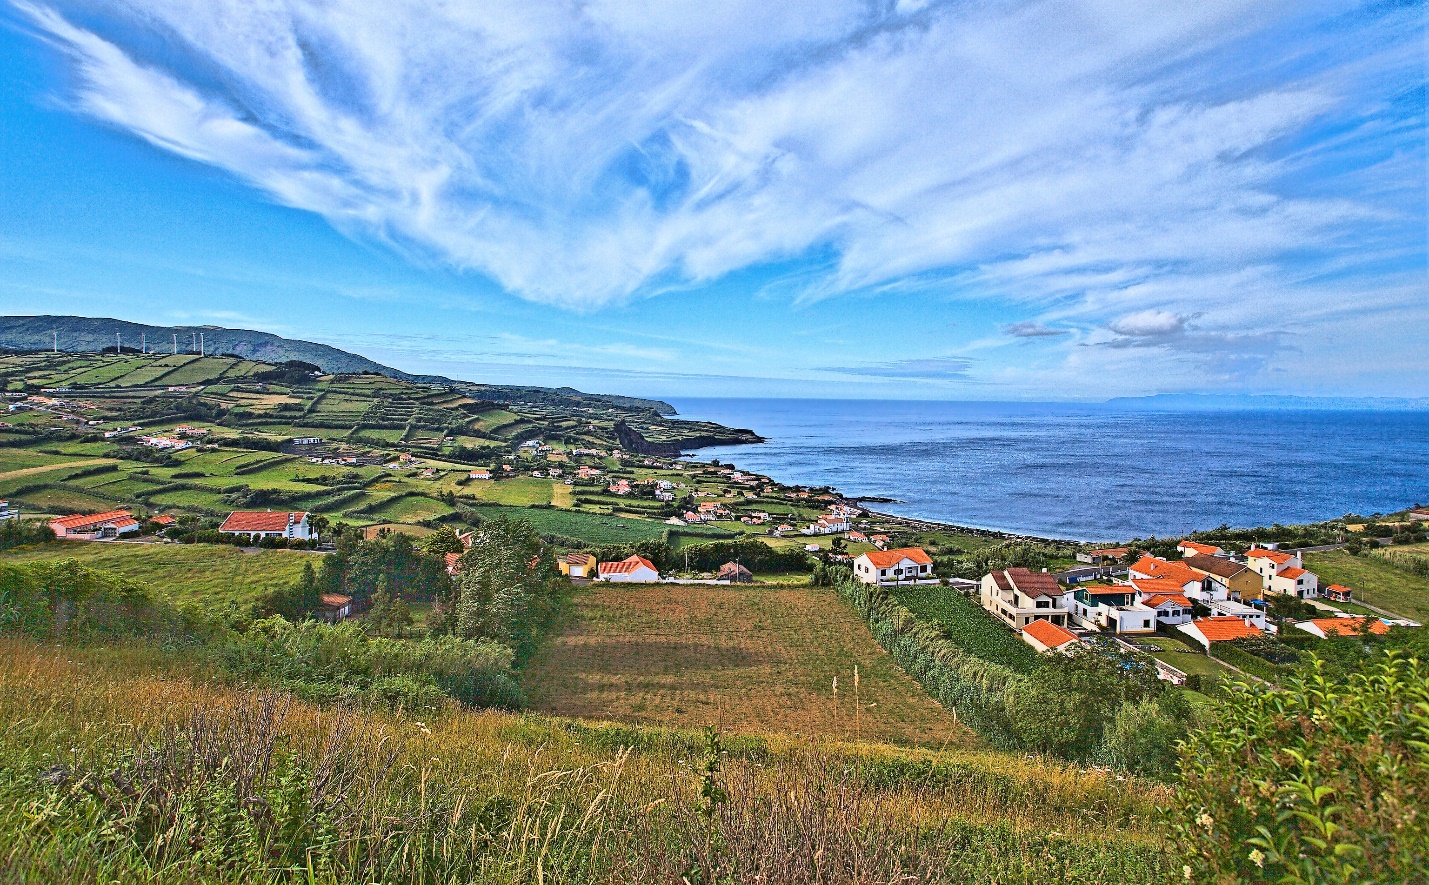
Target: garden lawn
(1374,581)
(750,659)
(212,574)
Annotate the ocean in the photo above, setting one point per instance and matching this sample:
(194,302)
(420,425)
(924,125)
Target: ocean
(1084,472)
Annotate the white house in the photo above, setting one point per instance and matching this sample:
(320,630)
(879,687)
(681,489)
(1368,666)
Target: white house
(1018,596)
(1327,627)
(481,473)
(633,569)
(903,566)
(1114,607)
(1294,581)
(1172,607)
(292,525)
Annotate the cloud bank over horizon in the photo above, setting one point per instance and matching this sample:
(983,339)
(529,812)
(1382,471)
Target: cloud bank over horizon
(1212,186)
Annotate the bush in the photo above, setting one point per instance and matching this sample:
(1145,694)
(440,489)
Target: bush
(1320,781)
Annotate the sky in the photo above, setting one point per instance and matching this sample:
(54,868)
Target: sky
(963,200)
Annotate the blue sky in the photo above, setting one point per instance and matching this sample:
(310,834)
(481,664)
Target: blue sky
(1016,200)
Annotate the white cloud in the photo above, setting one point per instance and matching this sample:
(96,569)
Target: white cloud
(1116,169)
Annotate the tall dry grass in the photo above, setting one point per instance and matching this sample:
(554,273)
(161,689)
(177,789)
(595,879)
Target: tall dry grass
(113,770)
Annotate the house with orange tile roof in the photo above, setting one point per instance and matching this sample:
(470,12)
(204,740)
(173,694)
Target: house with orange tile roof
(1046,636)
(906,565)
(634,568)
(1192,582)
(1339,593)
(1225,578)
(1195,548)
(1019,596)
(1327,627)
(1205,631)
(1273,566)
(1165,598)
(1102,555)
(576,565)
(292,525)
(94,527)
(1295,581)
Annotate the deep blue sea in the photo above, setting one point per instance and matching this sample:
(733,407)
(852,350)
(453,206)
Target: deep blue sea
(1085,472)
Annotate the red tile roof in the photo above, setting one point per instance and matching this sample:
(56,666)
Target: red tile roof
(260,520)
(1156,600)
(1033,584)
(1158,586)
(1292,573)
(626,566)
(451,560)
(890,558)
(578,558)
(163,519)
(1225,629)
(1049,634)
(1349,626)
(1160,568)
(335,600)
(1196,547)
(1274,556)
(81,522)
(1214,565)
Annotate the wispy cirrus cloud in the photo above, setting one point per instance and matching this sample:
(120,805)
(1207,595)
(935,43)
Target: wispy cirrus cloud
(930,369)
(1129,179)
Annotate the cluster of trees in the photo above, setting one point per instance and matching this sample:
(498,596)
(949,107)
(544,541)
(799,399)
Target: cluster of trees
(1009,554)
(17,532)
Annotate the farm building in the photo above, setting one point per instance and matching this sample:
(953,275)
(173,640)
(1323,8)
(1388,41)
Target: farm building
(734,573)
(633,568)
(95,527)
(268,524)
(334,607)
(576,565)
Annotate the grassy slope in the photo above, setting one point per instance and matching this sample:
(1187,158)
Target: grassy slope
(757,659)
(1374,581)
(807,812)
(206,573)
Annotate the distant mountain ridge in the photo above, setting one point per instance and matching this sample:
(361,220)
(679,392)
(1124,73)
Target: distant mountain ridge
(78,334)
(1183,402)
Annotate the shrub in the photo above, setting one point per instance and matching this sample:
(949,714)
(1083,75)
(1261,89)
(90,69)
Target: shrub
(1320,781)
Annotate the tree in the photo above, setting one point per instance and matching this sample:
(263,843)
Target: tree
(441,542)
(509,589)
(390,615)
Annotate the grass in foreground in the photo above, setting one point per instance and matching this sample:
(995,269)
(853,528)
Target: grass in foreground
(752,658)
(112,769)
(1374,581)
(212,575)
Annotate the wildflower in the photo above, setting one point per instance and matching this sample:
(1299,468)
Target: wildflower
(1206,820)
(1257,857)
(1186,871)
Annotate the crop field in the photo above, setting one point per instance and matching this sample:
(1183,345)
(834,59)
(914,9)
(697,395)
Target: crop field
(964,622)
(211,574)
(1374,581)
(591,528)
(197,372)
(411,508)
(751,659)
(148,373)
(518,492)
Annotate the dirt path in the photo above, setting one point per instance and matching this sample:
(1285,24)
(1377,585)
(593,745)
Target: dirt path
(45,468)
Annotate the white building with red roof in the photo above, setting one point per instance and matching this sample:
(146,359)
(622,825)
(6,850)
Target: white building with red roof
(1165,597)
(1295,581)
(1019,596)
(94,527)
(292,525)
(906,565)
(1195,548)
(634,569)
(1327,627)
